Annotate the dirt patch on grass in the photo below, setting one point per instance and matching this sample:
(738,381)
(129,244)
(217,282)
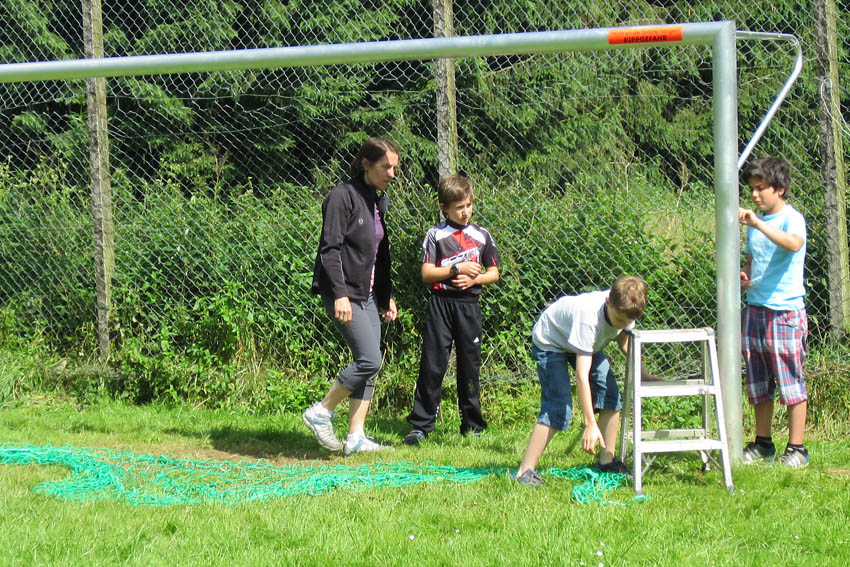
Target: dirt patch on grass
(244,457)
(839,472)
(236,453)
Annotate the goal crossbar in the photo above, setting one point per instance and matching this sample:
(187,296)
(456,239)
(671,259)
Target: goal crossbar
(366,52)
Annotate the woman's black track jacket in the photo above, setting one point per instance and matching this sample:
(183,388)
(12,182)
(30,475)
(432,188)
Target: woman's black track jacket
(347,245)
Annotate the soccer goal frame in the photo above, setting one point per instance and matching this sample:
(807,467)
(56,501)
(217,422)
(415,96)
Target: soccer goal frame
(720,36)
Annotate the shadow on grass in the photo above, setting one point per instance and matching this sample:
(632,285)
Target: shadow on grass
(294,442)
(268,443)
(290,442)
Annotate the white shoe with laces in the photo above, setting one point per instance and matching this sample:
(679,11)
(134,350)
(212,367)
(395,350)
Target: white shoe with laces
(320,421)
(359,442)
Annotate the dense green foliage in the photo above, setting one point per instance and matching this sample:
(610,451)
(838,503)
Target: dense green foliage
(587,165)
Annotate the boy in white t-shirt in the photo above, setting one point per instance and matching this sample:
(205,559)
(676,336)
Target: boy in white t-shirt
(573,331)
(774,324)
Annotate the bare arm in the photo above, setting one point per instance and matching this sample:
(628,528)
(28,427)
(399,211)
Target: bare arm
(486,278)
(591,434)
(623,340)
(468,275)
(786,241)
(746,271)
(431,273)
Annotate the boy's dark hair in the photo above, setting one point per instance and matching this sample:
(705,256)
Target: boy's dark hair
(775,171)
(373,150)
(454,188)
(628,296)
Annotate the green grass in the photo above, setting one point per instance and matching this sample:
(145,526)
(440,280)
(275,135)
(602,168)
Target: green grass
(775,516)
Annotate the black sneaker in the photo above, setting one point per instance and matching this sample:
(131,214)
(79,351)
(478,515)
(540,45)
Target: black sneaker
(754,453)
(415,437)
(615,466)
(794,458)
(529,478)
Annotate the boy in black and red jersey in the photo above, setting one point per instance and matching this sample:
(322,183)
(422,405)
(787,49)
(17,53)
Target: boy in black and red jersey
(458,257)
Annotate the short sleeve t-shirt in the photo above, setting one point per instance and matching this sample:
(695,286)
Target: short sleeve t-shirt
(446,244)
(777,274)
(575,323)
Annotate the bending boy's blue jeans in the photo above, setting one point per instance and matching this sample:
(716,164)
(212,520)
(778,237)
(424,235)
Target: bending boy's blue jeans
(556,396)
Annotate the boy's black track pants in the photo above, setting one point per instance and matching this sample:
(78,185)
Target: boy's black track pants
(449,320)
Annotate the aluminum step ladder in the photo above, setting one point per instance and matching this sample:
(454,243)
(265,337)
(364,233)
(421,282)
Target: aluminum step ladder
(707,385)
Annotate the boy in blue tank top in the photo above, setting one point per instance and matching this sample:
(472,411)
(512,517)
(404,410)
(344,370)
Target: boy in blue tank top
(774,324)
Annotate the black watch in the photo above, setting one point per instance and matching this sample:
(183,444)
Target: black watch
(453,270)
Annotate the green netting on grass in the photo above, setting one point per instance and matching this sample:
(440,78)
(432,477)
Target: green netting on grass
(595,485)
(163,480)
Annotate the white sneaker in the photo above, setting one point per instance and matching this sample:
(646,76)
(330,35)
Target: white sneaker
(358,443)
(320,422)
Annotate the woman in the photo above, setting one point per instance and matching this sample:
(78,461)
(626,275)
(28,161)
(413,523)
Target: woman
(352,274)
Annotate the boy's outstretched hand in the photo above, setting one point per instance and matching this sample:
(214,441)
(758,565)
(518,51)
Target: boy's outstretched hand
(590,437)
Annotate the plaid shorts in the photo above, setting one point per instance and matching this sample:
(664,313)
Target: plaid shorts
(774,348)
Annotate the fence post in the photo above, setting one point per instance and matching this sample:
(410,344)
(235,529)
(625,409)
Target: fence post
(444,68)
(832,169)
(100,180)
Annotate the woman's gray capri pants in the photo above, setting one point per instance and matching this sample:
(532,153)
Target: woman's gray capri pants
(363,335)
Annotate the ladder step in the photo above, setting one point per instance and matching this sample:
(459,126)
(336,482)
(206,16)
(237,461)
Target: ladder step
(674,434)
(674,390)
(676,445)
(673,335)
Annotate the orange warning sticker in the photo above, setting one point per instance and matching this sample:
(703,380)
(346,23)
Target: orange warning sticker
(645,35)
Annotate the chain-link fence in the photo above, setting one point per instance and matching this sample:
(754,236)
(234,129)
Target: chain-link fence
(587,165)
